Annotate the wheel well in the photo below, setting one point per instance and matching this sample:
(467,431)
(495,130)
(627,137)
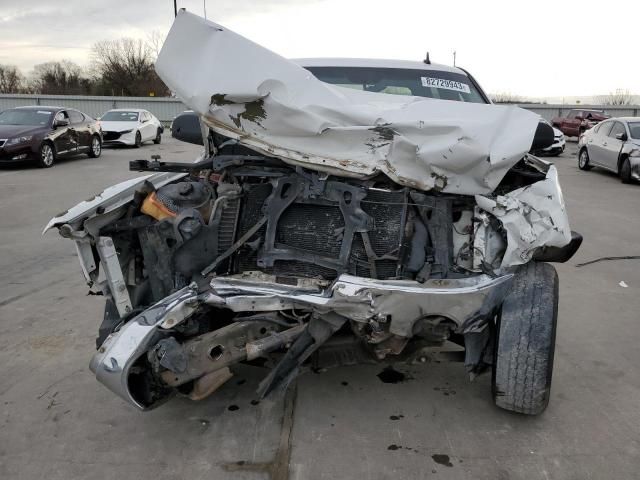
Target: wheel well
(51,144)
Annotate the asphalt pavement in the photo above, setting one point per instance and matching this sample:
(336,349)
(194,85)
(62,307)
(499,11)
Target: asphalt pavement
(58,422)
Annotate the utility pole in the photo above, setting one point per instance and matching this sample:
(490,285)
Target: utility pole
(175,8)
(454,58)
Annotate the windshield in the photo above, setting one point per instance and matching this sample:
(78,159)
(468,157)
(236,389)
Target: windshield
(634,130)
(120,117)
(25,117)
(400,81)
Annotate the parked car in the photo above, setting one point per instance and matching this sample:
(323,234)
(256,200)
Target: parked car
(393,223)
(556,148)
(44,134)
(613,145)
(130,126)
(578,121)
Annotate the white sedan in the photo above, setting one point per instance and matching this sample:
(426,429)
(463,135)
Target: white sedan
(130,126)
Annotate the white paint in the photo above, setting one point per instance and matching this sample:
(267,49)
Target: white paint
(419,142)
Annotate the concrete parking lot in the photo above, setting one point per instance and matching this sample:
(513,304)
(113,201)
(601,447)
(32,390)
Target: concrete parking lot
(58,423)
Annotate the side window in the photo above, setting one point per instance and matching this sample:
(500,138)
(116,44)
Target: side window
(75,117)
(605,128)
(572,113)
(617,129)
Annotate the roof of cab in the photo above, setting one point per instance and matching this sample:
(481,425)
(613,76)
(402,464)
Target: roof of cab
(374,63)
(127,110)
(40,107)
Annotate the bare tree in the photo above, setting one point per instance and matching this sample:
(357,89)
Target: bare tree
(505,97)
(11,80)
(619,97)
(155,40)
(59,78)
(126,67)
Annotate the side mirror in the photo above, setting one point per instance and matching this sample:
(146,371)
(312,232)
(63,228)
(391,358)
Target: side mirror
(621,136)
(186,128)
(61,122)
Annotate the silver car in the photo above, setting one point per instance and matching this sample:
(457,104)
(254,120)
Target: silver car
(614,145)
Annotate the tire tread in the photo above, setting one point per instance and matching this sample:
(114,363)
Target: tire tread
(525,343)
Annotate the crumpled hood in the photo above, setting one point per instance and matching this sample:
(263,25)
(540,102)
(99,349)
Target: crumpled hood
(274,106)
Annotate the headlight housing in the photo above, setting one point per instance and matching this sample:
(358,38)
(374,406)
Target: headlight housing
(126,131)
(635,152)
(19,140)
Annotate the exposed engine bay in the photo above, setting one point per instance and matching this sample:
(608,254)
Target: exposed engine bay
(251,259)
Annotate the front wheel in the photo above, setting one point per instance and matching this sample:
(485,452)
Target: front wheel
(138,142)
(525,338)
(47,156)
(583,160)
(95,149)
(625,171)
(158,138)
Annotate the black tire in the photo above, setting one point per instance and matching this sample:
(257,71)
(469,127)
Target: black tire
(525,341)
(95,148)
(46,155)
(583,160)
(158,138)
(138,143)
(625,171)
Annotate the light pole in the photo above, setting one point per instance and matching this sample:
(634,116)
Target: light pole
(175,8)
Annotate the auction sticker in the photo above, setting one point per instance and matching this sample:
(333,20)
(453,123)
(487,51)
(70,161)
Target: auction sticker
(445,84)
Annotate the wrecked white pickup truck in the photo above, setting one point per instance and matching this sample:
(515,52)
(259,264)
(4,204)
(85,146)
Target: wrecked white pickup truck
(384,202)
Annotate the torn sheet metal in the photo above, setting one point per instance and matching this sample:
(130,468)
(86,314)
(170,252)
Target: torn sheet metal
(274,106)
(533,216)
(466,301)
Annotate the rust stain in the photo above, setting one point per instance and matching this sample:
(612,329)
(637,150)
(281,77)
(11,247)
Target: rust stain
(253,111)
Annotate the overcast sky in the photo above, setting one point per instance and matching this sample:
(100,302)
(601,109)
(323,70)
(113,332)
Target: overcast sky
(548,48)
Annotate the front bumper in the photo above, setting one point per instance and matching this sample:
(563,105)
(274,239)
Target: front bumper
(118,138)
(558,146)
(469,302)
(15,154)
